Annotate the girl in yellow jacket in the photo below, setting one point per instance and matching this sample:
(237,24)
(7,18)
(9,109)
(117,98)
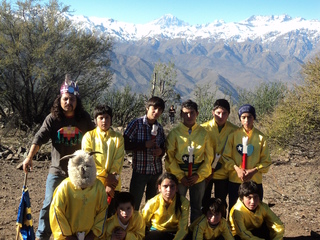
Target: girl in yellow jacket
(166,215)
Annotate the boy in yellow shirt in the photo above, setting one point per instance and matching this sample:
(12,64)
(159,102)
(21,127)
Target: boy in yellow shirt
(189,143)
(218,129)
(257,156)
(250,218)
(110,144)
(212,224)
(126,223)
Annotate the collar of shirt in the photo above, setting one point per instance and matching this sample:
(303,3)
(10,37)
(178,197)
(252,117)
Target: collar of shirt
(145,121)
(103,133)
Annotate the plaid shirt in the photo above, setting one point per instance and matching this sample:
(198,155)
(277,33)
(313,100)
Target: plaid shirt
(143,161)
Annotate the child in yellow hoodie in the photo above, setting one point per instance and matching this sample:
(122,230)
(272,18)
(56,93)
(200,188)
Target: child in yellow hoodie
(250,218)
(126,223)
(166,215)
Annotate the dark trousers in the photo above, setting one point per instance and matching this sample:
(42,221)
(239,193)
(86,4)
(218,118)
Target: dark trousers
(261,232)
(159,235)
(220,191)
(138,184)
(111,208)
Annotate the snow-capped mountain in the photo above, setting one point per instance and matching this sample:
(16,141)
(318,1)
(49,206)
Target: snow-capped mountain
(229,56)
(265,27)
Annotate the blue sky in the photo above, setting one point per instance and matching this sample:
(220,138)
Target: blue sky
(193,11)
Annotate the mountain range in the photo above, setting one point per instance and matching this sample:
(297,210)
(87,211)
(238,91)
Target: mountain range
(227,56)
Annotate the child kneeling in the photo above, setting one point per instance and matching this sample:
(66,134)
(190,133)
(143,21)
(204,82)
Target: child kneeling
(166,215)
(211,225)
(252,219)
(126,223)
(79,206)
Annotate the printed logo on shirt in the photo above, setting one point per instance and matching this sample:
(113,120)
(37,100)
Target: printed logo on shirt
(240,148)
(69,136)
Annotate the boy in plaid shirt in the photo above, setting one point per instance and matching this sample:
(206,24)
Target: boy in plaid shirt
(144,136)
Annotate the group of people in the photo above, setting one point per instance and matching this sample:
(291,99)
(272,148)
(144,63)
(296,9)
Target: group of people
(83,198)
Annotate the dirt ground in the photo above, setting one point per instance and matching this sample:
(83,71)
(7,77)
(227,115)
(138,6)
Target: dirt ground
(292,185)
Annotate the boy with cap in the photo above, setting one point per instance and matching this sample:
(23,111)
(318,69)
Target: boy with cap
(64,126)
(218,129)
(246,144)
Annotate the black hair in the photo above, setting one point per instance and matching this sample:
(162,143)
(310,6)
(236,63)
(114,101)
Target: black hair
(57,111)
(156,102)
(124,197)
(214,205)
(189,104)
(247,188)
(102,109)
(170,176)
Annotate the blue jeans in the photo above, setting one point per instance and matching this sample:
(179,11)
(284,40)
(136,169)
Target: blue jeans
(137,185)
(44,230)
(196,193)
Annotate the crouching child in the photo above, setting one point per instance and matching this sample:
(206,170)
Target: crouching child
(211,225)
(126,223)
(252,219)
(79,206)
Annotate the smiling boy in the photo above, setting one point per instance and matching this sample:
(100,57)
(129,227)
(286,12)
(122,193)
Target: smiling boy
(147,150)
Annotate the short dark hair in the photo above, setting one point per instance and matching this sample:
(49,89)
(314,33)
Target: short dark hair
(247,188)
(214,205)
(189,104)
(124,197)
(156,102)
(102,109)
(221,103)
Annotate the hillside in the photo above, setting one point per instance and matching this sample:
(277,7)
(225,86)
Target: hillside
(229,56)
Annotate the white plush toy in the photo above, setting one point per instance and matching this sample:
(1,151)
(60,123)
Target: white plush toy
(81,168)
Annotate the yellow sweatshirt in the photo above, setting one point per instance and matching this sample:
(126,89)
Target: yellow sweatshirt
(258,154)
(201,229)
(135,230)
(156,215)
(177,143)
(218,141)
(76,210)
(243,220)
(111,145)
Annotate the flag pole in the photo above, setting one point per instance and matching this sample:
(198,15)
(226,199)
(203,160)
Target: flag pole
(24,186)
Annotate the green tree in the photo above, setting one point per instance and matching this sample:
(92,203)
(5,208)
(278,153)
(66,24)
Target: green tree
(296,120)
(164,82)
(264,97)
(125,105)
(163,86)
(38,46)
